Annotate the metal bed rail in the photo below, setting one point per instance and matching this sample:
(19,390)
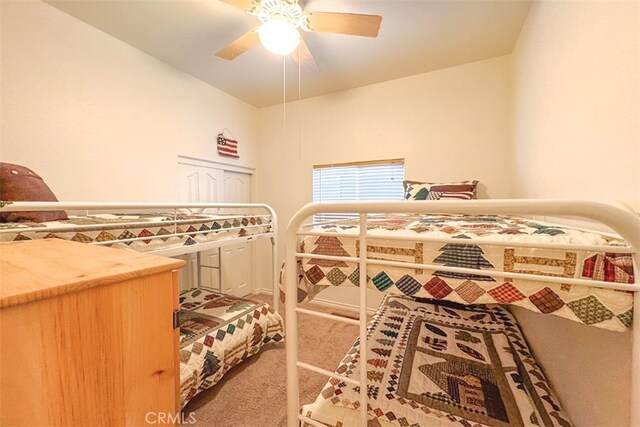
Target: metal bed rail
(105,207)
(90,227)
(623,222)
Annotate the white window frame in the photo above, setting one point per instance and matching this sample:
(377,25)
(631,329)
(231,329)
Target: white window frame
(362,173)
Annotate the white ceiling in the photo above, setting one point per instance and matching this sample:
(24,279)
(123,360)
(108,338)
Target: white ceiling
(415,37)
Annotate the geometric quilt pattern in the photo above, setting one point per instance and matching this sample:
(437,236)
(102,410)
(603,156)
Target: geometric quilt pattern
(217,332)
(462,272)
(141,232)
(441,363)
(590,310)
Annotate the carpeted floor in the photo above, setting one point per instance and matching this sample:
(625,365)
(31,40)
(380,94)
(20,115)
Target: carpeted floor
(254,392)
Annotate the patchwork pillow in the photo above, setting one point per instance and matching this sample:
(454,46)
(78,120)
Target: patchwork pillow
(416,190)
(21,184)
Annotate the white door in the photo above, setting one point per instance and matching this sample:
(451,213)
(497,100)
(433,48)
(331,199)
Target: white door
(237,259)
(199,185)
(203,184)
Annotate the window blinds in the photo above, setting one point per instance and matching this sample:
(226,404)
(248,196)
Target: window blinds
(380,180)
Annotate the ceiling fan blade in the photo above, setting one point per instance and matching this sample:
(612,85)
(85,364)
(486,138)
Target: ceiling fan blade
(246,5)
(305,58)
(239,46)
(344,23)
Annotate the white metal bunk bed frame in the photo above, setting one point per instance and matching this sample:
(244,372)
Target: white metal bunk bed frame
(623,222)
(103,207)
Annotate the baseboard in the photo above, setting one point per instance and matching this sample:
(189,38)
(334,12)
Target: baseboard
(322,302)
(340,305)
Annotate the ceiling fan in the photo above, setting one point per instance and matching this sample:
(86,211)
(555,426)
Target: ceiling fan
(281,22)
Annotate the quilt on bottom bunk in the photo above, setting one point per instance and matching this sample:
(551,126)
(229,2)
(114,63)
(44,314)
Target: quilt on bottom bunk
(605,308)
(441,365)
(217,332)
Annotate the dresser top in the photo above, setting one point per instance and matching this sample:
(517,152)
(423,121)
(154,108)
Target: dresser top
(39,269)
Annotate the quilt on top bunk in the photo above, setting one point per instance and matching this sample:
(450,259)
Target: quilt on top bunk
(441,365)
(114,227)
(217,332)
(605,308)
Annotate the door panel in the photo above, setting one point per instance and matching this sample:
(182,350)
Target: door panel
(236,270)
(209,264)
(192,187)
(237,187)
(212,187)
(198,184)
(209,258)
(210,277)
(236,260)
(188,274)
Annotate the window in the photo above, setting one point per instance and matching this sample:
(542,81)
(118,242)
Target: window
(373,180)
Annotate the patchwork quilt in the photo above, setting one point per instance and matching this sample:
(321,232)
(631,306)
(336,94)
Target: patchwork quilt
(217,332)
(441,364)
(140,232)
(606,308)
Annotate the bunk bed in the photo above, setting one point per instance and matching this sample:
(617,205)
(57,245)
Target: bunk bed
(442,349)
(217,331)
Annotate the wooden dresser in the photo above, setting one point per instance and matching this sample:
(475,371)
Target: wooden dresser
(86,335)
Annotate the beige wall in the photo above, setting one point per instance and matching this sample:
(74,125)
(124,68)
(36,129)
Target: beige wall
(576,134)
(451,124)
(560,117)
(99,119)
(576,110)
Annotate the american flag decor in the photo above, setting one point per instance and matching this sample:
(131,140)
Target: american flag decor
(227,147)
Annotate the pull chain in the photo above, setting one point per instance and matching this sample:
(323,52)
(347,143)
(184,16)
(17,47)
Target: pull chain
(299,103)
(284,103)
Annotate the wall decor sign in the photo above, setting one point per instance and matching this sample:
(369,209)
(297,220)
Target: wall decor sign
(226,146)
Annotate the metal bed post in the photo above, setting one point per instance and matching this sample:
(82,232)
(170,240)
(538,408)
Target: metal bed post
(275,274)
(635,344)
(275,268)
(199,269)
(220,269)
(291,322)
(291,255)
(363,318)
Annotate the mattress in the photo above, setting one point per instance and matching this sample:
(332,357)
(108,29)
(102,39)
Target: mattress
(606,308)
(441,364)
(141,232)
(217,332)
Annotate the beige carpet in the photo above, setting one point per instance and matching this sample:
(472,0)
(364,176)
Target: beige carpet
(254,392)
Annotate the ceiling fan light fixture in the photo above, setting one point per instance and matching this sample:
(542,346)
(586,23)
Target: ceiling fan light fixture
(279,36)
